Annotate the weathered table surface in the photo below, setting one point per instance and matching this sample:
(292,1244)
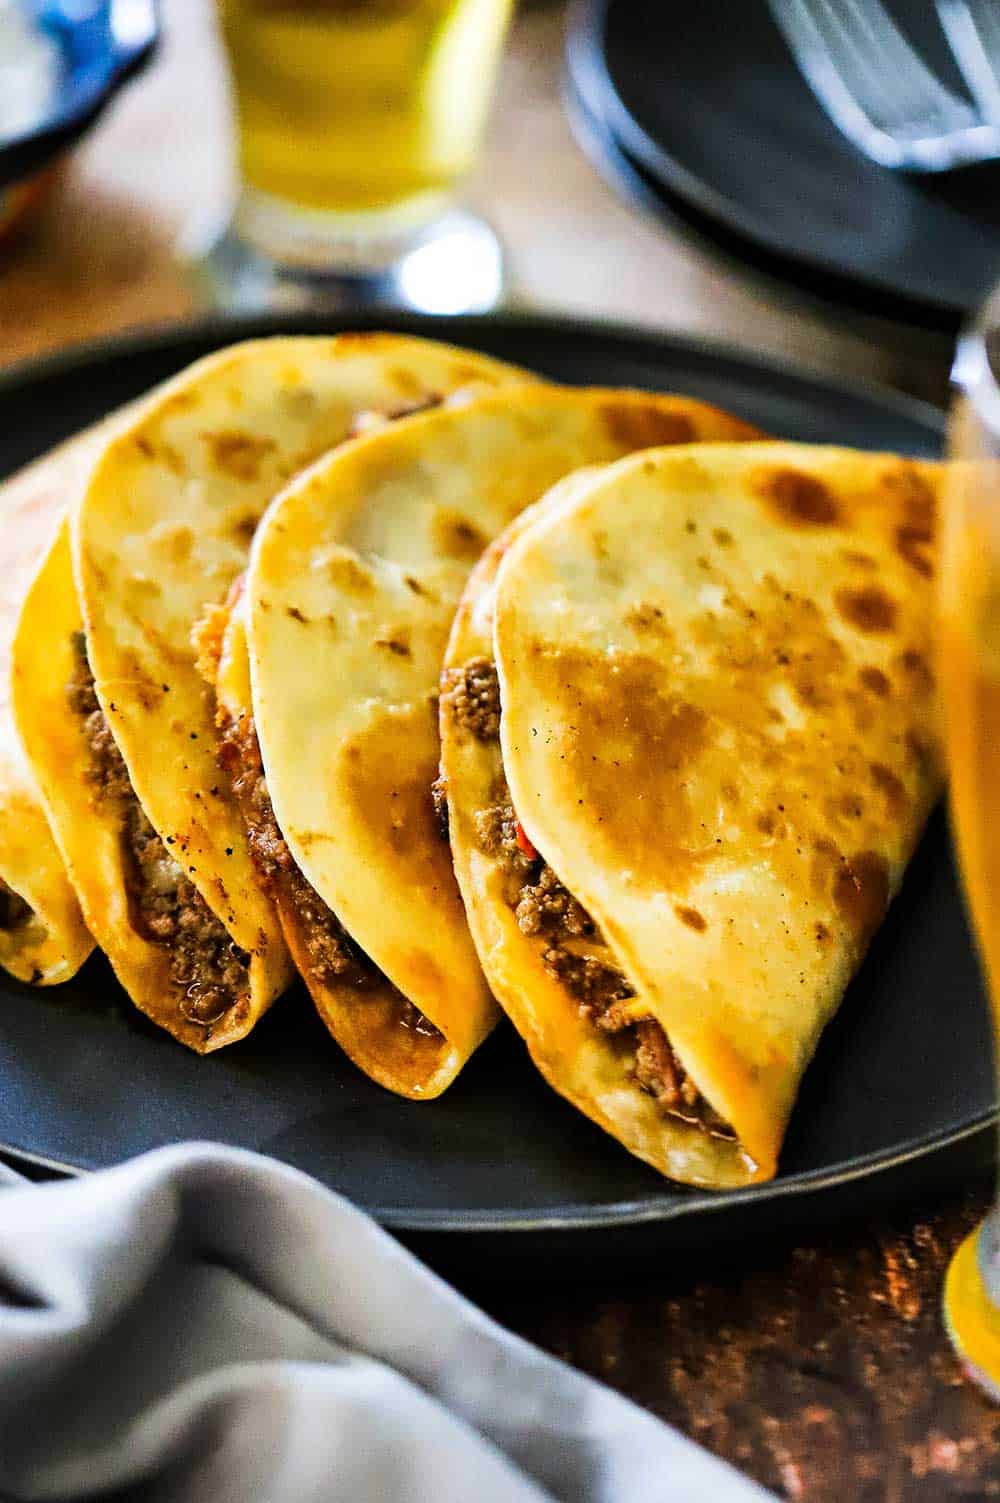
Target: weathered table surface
(822,1369)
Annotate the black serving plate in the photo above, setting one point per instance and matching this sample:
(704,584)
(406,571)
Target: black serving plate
(714,115)
(500,1167)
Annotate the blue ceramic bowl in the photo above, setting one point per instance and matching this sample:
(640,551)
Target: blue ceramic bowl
(102,43)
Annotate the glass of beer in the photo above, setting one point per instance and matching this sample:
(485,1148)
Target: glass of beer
(970,676)
(357,124)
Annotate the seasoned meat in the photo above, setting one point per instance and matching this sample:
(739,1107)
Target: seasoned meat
(596,985)
(80,690)
(333,955)
(208,970)
(496,831)
(547,911)
(165,907)
(660,1072)
(14,911)
(472,696)
(107,771)
(546,905)
(439,798)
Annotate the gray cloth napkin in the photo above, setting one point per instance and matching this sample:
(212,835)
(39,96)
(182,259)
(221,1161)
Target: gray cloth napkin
(204,1324)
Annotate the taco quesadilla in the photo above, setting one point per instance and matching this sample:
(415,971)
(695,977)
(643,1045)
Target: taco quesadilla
(353,581)
(689,740)
(120,726)
(43,938)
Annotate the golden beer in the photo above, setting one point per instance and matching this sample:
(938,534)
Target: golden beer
(969,670)
(361,108)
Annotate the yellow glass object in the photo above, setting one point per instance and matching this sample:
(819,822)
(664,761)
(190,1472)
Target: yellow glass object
(361,107)
(969,669)
(972,1317)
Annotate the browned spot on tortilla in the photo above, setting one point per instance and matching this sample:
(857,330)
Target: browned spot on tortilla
(766,823)
(875,680)
(405,381)
(691,917)
(800,500)
(638,425)
(723,537)
(917,670)
(244,528)
(912,545)
(144,690)
(145,446)
(468,375)
(920,750)
(869,608)
(915,533)
(387,772)
(859,560)
(887,782)
(296,614)
(827,861)
(182,400)
(909,489)
(172,459)
(822,934)
(238,454)
(648,619)
(456,537)
(394,645)
(861,892)
(628,747)
(347,574)
(177,542)
(414,584)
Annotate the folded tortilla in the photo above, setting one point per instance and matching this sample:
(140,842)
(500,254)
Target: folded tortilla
(120,728)
(43,938)
(354,578)
(717,749)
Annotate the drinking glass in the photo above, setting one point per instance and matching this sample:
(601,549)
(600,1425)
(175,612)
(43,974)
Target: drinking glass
(357,123)
(970,676)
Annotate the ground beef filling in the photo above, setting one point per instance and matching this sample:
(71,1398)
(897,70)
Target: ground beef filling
(547,912)
(333,955)
(209,971)
(439,798)
(472,695)
(14,911)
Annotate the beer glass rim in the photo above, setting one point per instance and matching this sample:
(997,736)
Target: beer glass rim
(973,373)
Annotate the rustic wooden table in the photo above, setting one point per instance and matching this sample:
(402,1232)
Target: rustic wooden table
(823,1370)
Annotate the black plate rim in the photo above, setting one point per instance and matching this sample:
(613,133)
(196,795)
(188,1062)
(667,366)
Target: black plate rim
(659,1210)
(653,1209)
(165,336)
(588,66)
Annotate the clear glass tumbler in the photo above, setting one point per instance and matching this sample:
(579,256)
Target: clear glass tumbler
(969,665)
(357,124)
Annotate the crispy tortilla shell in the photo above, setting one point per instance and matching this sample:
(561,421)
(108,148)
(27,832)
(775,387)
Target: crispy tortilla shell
(50,942)
(719,732)
(162,529)
(354,578)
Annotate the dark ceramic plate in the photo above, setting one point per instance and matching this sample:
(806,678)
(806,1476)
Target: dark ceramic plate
(715,111)
(903,1071)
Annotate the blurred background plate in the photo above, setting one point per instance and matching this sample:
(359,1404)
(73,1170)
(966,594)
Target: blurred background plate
(715,118)
(61,64)
(500,1170)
